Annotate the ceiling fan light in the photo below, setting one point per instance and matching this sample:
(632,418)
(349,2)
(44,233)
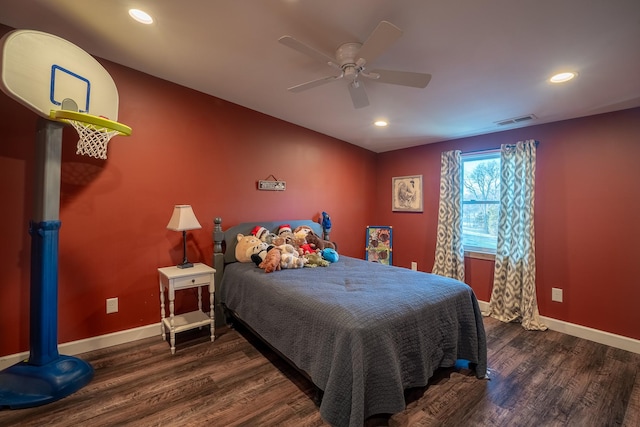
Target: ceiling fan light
(141,16)
(562,77)
(350,72)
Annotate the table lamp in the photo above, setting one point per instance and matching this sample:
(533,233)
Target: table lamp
(183,219)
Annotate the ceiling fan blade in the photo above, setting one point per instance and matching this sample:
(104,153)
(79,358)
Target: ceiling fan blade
(358,94)
(380,40)
(313,83)
(403,78)
(307,50)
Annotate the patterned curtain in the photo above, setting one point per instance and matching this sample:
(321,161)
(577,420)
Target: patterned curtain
(513,297)
(449,251)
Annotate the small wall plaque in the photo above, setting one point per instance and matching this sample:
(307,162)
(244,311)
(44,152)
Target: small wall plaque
(272,185)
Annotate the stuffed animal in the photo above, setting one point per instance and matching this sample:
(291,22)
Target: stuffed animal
(285,232)
(284,228)
(300,245)
(315,241)
(315,260)
(270,238)
(330,255)
(302,231)
(247,246)
(260,256)
(278,241)
(271,262)
(326,222)
(306,248)
(319,243)
(307,240)
(260,232)
(290,257)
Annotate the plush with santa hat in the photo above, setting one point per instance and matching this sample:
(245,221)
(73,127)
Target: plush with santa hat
(260,232)
(284,228)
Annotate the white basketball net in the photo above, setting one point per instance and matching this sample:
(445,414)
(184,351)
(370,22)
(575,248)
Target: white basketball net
(93,139)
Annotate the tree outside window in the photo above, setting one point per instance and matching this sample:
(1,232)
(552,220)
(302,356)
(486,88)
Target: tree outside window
(480,201)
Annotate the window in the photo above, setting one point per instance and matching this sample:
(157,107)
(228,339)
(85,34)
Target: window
(480,201)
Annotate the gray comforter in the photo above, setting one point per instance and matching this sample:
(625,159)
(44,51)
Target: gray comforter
(362,331)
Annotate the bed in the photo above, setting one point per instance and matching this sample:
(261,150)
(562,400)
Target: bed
(361,331)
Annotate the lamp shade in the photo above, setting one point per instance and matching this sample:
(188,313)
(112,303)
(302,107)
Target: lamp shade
(183,219)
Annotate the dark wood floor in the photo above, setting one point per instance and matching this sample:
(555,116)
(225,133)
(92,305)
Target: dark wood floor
(537,379)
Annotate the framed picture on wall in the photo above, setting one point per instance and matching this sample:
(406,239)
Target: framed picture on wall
(406,193)
(379,244)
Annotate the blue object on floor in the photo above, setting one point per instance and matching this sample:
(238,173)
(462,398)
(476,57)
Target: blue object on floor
(462,364)
(24,385)
(45,376)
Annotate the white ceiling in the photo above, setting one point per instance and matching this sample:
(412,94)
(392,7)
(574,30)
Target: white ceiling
(490,59)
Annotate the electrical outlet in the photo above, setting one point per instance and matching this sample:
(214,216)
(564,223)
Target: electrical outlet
(112,305)
(414,266)
(556,294)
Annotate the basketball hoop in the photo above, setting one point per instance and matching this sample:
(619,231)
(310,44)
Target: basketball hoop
(94,132)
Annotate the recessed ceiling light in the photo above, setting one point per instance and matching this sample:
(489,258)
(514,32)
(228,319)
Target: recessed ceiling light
(562,77)
(380,123)
(141,16)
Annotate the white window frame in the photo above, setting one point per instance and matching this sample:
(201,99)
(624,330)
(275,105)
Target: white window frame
(476,251)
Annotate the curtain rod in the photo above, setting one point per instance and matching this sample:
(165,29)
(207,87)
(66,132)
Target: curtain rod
(487,150)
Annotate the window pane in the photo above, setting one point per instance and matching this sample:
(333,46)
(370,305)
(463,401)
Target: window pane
(481,179)
(480,225)
(481,193)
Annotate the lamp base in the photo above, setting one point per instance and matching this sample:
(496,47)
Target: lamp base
(185,265)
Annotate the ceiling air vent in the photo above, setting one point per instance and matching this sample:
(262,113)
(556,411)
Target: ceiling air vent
(516,120)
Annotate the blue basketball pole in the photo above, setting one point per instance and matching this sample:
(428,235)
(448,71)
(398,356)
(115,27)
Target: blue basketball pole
(45,376)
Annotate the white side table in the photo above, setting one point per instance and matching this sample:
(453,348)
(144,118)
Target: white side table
(174,279)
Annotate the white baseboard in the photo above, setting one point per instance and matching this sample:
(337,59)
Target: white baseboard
(89,344)
(103,341)
(602,337)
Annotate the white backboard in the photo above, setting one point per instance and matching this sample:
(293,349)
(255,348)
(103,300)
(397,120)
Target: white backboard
(41,70)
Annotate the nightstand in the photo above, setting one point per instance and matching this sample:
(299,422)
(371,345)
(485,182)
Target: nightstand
(175,279)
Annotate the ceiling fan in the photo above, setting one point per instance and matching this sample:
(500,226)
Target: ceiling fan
(352,59)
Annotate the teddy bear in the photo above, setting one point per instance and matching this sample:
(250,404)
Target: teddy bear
(247,246)
(272,260)
(290,257)
(318,242)
(280,241)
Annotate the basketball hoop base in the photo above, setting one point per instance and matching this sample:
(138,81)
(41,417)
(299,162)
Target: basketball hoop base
(24,385)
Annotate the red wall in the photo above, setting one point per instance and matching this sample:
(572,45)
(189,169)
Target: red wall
(587,228)
(186,147)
